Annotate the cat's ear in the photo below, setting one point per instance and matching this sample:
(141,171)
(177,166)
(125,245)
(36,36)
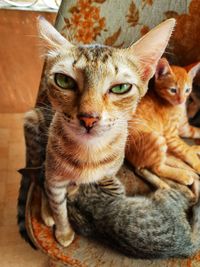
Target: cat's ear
(53,40)
(162,68)
(193,70)
(149,49)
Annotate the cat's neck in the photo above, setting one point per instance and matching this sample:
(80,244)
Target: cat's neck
(82,161)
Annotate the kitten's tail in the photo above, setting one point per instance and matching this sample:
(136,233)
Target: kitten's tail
(29,174)
(21,207)
(35,126)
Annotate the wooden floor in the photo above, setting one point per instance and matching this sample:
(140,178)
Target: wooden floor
(14,252)
(20,54)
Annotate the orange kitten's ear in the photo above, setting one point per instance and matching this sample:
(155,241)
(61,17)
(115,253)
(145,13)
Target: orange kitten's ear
(162,68)
(193,70)
(52,38)
(149,49)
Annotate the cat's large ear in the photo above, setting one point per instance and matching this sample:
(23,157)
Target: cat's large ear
(193,70)
(52,38)
(162,68)
(149,49)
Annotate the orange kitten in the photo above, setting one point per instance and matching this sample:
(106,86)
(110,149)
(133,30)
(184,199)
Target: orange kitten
(154,128)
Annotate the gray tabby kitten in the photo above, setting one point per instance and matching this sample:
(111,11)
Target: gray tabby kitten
(141,227)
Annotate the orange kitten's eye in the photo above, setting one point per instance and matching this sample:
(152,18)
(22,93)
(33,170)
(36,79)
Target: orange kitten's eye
(121,88)
(64,81)
(187,90)
(173,91)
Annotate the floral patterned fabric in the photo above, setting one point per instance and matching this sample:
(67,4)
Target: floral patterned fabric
(119,23)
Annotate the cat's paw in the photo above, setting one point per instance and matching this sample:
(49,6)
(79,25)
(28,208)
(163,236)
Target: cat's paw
(65,237)
(197,168)
(48,220)
(189,177)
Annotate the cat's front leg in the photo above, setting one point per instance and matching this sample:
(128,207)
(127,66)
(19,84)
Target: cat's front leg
(56,193)
(46,213)
(183,151)
(188,131)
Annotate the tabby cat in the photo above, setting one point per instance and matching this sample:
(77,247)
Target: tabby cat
(94,90)
(154,143)
(148,227)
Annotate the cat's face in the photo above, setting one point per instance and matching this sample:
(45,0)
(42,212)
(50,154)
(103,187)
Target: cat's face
(173,83)
(96,88)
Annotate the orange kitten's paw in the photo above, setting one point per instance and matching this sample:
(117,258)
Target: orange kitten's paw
(196,149)
(66,237)
(197,168)
(189,177)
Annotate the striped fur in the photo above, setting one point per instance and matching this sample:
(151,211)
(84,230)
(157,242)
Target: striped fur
(147,227)
(159,120)
(21,207)
(74,153)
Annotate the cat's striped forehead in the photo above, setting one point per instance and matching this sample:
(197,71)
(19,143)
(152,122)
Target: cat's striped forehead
(181,78)
(94,53)
(96,62)
(89,55)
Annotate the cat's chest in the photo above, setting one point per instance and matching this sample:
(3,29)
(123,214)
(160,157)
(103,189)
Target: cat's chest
(172,118)
(67,160)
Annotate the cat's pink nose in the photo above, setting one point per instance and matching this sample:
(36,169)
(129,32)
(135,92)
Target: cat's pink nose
(88,120)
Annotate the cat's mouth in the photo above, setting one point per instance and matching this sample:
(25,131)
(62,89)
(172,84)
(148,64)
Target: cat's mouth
(96,133)
(90,133)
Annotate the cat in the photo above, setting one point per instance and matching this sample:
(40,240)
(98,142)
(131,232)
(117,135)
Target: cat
(94,89)
(145,227)
(156,125)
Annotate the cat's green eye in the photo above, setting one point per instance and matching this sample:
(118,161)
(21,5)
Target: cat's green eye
(187,90)
(121,88)
(64,81)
